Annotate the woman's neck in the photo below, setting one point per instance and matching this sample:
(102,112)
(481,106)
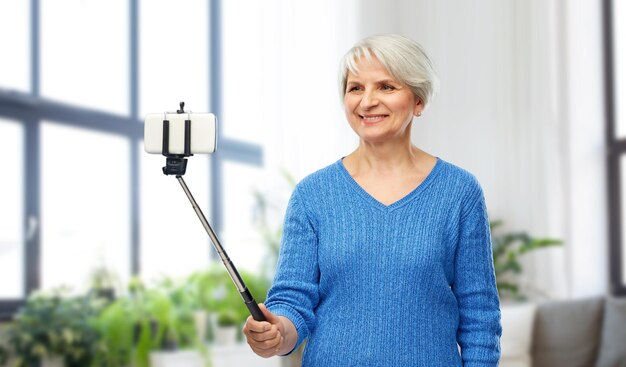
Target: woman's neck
(385,158)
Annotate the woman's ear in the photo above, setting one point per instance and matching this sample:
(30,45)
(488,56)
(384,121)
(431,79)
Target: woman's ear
(419,107)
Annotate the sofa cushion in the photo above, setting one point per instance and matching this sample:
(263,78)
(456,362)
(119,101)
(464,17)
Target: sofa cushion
(517,328)
(566,333)
(613,340)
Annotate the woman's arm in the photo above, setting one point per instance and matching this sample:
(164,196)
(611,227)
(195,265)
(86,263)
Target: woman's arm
(295,290)
(475,288)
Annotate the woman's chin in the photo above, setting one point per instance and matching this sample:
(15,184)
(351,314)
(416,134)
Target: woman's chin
(375,138)
(382,136)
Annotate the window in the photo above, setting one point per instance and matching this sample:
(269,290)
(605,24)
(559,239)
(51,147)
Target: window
(15,71)
(174,52)
(173,242)
(621,280)
(619,69)
(243,93)
(84,53)
(615,61)
(239,234)
(81,192)
(11,211)
(85,204)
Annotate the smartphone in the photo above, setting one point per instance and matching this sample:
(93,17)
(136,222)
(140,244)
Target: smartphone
(203,133)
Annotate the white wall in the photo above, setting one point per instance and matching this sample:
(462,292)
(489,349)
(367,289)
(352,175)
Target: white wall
(520,106)
(586,151)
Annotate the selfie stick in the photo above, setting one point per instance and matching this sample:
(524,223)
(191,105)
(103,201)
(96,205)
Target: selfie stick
(176,164)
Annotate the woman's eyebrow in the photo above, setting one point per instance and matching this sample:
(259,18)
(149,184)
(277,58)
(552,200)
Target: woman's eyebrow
(381,81)
(388,81)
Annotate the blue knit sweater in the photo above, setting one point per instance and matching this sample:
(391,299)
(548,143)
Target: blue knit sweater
(397,285)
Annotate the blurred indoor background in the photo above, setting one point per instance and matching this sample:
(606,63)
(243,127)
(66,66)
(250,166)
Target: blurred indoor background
(529,102)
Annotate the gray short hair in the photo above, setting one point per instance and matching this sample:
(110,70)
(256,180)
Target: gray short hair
(404,58)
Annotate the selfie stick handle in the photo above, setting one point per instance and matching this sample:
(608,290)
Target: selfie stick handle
(248,299)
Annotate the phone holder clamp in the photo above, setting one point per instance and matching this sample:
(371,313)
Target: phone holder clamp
(176,164)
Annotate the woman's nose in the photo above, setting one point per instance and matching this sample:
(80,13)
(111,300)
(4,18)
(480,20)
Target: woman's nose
(369,99)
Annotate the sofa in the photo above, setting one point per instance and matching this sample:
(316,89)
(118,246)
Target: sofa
(587,332)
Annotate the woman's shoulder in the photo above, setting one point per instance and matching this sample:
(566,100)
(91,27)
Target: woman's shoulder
(320,179)
(459,178)
(317,187)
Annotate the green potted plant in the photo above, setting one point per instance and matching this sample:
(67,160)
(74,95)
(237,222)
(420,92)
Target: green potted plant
(217,294)
(508,248)
(144,321)
(182,344)
(227,318)
(116,326)
(103,283)
(4,355)
(134,325)
(179,325)
(55,326)
(227,324)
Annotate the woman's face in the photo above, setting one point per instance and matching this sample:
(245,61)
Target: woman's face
(378,107)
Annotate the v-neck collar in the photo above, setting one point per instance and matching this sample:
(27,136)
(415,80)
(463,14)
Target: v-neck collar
(398,203)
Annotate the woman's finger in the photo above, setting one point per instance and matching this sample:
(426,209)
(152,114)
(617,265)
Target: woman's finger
(267,349)
(268,344)
(270,334)
(256,326)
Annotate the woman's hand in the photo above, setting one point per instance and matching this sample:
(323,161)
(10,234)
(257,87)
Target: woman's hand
(276,336)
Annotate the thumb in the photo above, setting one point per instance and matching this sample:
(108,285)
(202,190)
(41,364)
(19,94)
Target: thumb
(269,316)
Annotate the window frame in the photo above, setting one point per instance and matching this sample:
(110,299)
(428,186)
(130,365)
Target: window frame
(30,109)
(616,149)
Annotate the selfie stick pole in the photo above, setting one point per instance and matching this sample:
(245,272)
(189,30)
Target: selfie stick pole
(253,307)
(176,165)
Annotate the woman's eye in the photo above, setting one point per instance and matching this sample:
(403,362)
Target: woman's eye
(387,87)
(354,88)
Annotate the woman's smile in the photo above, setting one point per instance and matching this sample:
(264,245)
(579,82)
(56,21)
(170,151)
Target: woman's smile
(372,119)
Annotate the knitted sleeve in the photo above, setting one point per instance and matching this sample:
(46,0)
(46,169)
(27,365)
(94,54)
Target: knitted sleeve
(294,292)
(474,286)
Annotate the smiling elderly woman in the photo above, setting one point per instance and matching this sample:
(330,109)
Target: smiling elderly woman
(386,257)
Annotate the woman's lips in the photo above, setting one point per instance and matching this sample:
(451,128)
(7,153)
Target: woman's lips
(372,119)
